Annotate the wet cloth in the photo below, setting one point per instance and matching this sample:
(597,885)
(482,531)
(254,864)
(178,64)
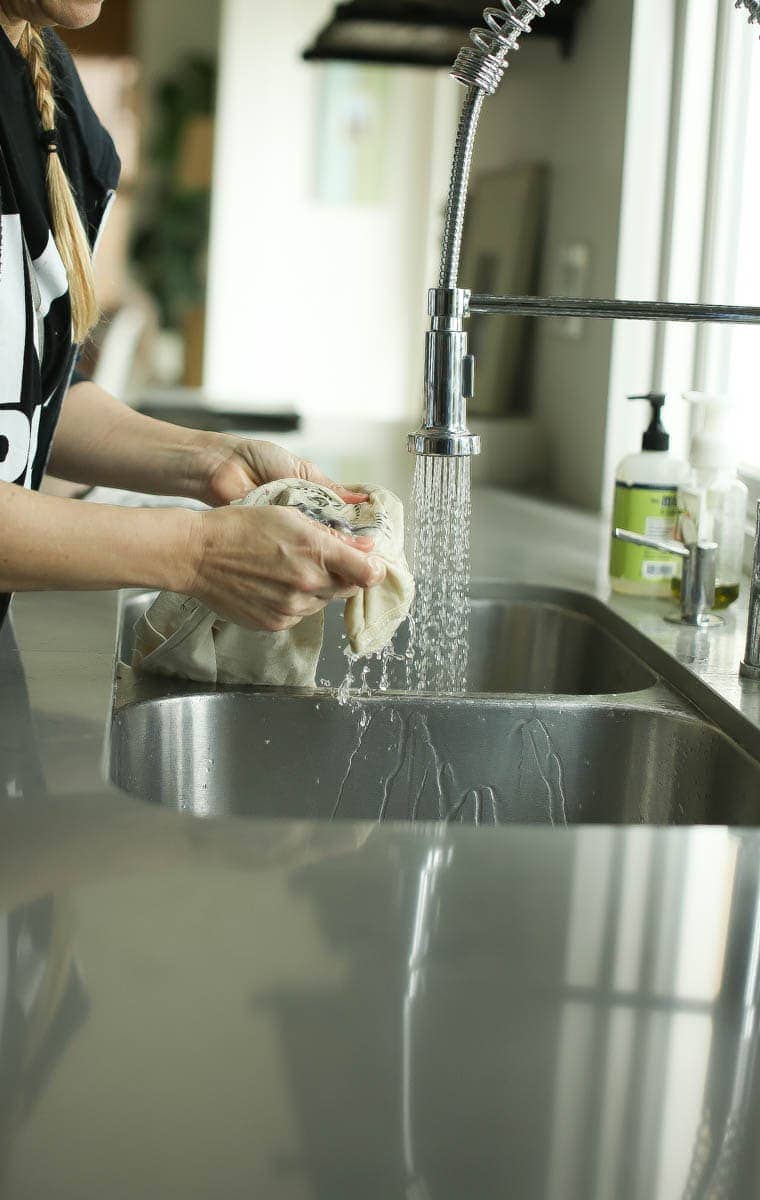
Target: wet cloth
(181,637)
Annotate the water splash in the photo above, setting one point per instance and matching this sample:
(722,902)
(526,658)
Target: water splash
(343,694)
(441,501)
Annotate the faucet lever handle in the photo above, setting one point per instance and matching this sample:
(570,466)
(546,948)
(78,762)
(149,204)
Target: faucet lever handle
(664,545)
(698,577)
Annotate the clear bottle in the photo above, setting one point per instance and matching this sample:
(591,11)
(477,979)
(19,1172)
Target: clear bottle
(714,497)
(646,501)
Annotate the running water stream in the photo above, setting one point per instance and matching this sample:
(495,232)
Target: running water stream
(435,656)
(441,503)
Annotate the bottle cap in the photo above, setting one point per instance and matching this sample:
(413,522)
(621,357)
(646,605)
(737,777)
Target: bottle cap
(656,436)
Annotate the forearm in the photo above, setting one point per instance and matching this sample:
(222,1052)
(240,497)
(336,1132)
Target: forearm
(49,544)
(101,441)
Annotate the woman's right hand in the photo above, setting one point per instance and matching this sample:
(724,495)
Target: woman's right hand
(268,568)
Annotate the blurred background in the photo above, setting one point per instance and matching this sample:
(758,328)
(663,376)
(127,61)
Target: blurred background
(278,224)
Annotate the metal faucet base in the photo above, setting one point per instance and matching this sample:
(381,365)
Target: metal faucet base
(704,621)
(747,671)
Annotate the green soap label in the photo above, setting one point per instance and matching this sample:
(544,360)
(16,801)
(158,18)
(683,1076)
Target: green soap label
(652,511)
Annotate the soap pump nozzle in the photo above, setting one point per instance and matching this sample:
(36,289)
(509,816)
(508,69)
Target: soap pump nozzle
(656,436)
(714,445)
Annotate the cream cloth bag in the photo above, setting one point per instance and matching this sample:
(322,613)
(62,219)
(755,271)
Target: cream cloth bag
(181,637)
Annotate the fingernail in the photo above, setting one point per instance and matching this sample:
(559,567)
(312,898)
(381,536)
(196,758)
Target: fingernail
(378,568)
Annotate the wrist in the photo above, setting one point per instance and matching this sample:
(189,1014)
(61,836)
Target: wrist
(205,454)
(184,537)
(163,550)
(190,462)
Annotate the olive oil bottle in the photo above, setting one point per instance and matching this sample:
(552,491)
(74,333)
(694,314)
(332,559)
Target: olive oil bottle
(714,497)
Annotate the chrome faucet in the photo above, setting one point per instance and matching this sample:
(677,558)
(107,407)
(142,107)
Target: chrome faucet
(697,580)
(449,369)
(750,667)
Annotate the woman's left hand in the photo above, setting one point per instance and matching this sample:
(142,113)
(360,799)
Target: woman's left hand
(231,467)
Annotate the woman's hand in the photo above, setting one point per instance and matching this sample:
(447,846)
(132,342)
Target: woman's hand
(230,467)
(268,568)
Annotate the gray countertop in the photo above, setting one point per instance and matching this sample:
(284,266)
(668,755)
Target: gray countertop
(237,1008)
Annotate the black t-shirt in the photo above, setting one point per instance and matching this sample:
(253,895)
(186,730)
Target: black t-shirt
(36,352)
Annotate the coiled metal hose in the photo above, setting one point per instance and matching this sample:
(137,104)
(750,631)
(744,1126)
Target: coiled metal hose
(480,68)
(752,7)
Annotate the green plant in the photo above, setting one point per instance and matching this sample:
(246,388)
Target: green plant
(170,242)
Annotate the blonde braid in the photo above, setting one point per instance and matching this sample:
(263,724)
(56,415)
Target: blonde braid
(68,230)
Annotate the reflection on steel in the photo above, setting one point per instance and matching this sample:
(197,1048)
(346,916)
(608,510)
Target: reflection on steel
(424,915)
(723,1131)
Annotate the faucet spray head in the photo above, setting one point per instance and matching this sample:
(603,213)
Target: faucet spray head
(449,380)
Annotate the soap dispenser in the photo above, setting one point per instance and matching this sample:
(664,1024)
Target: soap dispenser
(646,502)
(713,496)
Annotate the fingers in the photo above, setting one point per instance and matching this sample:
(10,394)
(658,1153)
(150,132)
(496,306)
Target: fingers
(272,567)
(268,462)
(281,616)
(353,566)
(288,601)
(341,594)
(359,543)
(348,496)
(312,472)
(362,542)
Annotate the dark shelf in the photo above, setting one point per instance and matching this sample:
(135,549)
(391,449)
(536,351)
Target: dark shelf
(421,32)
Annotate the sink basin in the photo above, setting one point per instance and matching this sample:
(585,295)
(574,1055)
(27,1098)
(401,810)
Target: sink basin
(525,640)
(406,758)
(563,723)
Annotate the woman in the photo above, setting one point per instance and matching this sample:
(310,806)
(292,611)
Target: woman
(264,568)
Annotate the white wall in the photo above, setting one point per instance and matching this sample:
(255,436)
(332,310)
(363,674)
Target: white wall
(318,305)
(572,115)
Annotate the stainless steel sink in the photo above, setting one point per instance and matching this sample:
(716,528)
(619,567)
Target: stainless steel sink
(564,723)
(522,640)
(400,758)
